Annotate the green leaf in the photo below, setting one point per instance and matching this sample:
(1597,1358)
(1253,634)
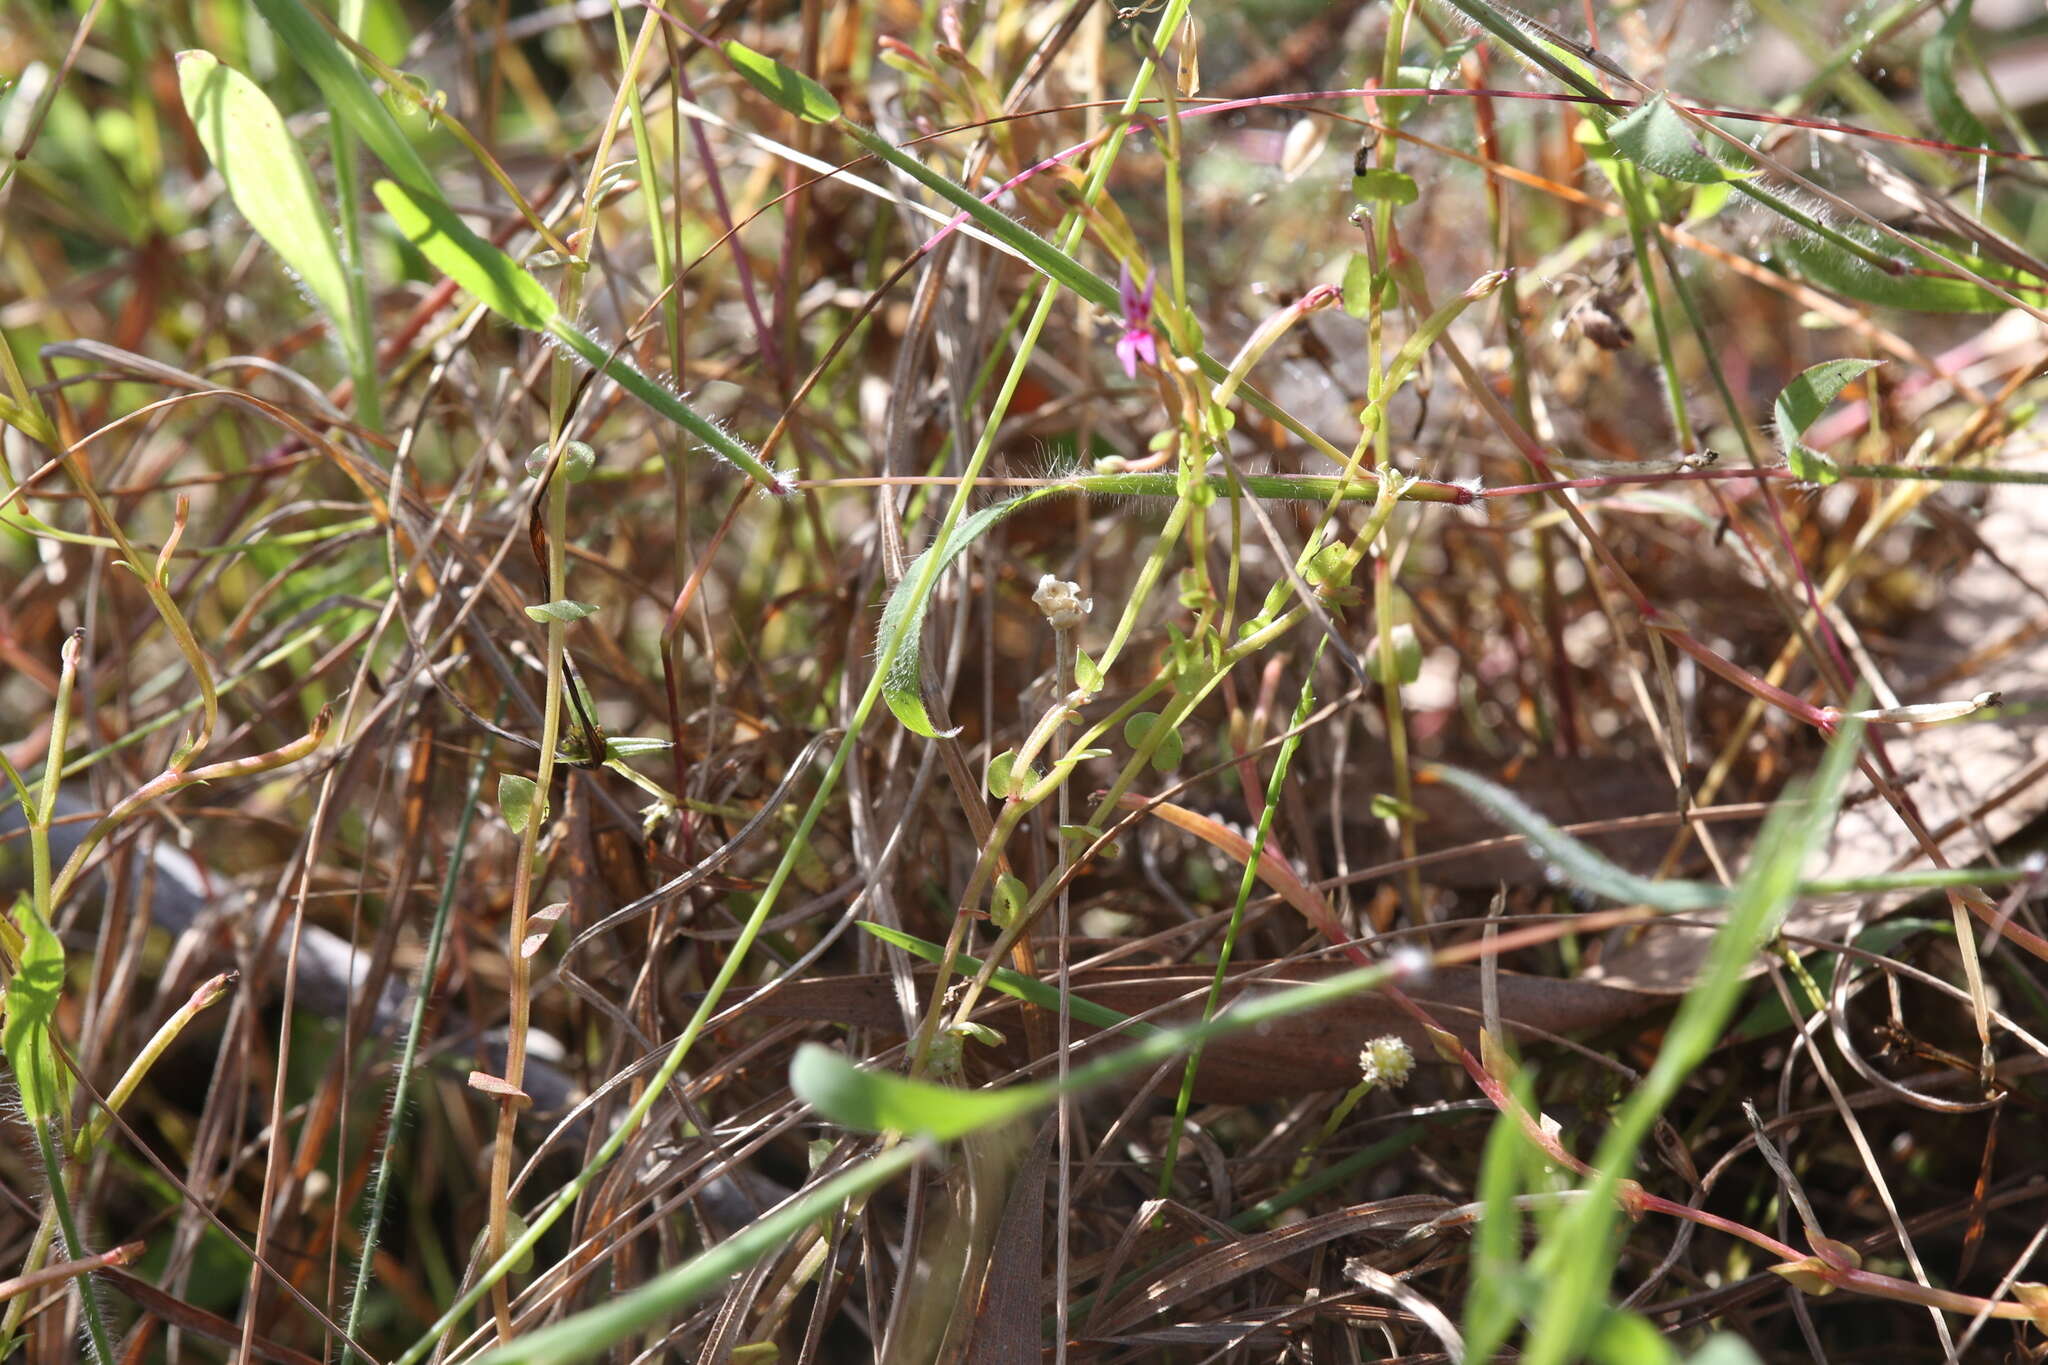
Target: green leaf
(1629,1339)
(1499,1284)
(1015,984)
(1810,258)
(1138,729)
(633,746)
(661,1300)
(1358,284)
(1002,774)
(515,801)
(562,610)
(30,1015)
(1571,860)
(1655,138)
(480,268)
(1087,673)
(1579,1252)
(791,89)
(1008,902)
(1801,405)
(509,291)
(1380,185)
(900,636)
(1811,466)
(266,175)
(1724,1348)
(1407,653)
(342,84)
(1385,806)
(877,1102)
(1938,79)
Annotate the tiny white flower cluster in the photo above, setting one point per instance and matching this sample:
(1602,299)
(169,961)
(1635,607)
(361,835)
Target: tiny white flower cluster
(1386,1062)
(1061,602)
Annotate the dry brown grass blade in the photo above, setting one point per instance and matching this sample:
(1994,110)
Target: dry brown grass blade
(1006,1322)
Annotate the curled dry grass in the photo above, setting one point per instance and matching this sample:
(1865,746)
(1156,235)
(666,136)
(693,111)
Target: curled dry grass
(318,721)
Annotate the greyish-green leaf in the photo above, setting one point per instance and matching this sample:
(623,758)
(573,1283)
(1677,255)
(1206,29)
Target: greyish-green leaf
(1654,137)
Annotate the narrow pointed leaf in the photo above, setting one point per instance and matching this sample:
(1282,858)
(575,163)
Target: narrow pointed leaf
(786,86)
(508,290)
(450,247)
(1571,860)
(1824,263)
(903,616)
(347,91)
(659,1302)
(1938,78)
(1028,989)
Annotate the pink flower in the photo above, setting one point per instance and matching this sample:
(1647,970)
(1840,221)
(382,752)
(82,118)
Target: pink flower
(1137,342)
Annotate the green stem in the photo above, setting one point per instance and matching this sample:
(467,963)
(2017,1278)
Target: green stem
(1274,784)
(53,1168)
(430,965)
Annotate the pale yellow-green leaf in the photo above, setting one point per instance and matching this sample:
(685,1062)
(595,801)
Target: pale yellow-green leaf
(266,175)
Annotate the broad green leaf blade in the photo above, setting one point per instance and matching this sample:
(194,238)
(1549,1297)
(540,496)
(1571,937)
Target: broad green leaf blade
(451,248)
(1808,396)
(1657,139)
(1573,861)
(1829,266)
(266,176)
(1938,79)
(509,291)
(1578,1255)
(787,87)
(877,1102)
(31,1012)
(662,1298)
(347,92)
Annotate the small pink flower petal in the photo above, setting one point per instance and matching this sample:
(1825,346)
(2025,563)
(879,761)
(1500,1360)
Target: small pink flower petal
(1127,354)
(1147,347)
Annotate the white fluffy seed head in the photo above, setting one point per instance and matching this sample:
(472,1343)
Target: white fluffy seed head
(1386,1062)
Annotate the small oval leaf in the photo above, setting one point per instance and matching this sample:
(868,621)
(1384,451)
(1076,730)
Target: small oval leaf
(563,609)
(515,800)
